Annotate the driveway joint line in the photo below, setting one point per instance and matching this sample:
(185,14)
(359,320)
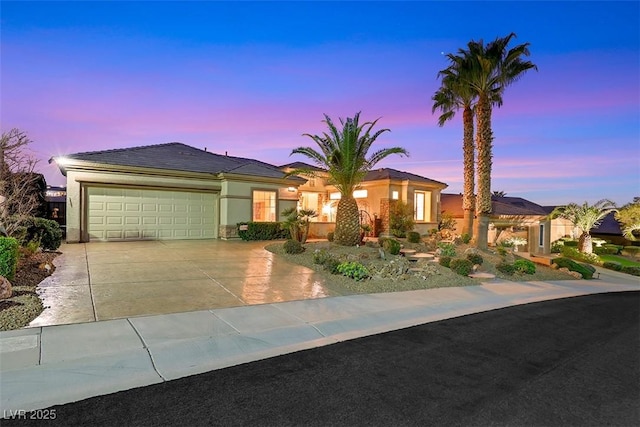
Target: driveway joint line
(93,302)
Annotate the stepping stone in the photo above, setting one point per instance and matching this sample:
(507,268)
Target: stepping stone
(406,252)
(419,256)
(482,275)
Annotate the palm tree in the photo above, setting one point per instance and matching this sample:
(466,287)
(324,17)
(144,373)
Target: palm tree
(454,94)
(584,218)
(343,153)
(491,69)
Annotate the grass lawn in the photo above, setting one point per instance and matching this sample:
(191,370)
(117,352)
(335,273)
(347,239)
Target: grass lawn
(625,262)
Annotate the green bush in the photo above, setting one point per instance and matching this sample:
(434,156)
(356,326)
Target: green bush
(39,232)
(354,270)
(612,247)
(327,260)
(466,238)
(262,231)
(571,243)
(445,261)
(502,251)
(400,218)
(475,259)
(605,250)
(413,237)
(631,251)
(572,265)
(524,266)
(8,257)
(633,270)
(462,266)
(573,253)
(447,249)
(293,247)
(612,265)
(392,246)
(506,268)
(330,236)
(589,267)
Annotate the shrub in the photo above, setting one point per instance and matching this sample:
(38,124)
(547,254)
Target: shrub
(556,247)
(466,238)
(573,253)
(38,232)
(631,251)
(475,259)
(573,266)
(353,269)
(262,231)
(293,247)
(605,250)
(462,266)
(330,236)
(502,251)
(447,249)
(524,266)
(571,243)
(413,237)
(400,218)
(631,269)
(506,268)
(331,265)
(392,246)
(589,267)
(445,261)
(612,247)
(612,265)
(8,257)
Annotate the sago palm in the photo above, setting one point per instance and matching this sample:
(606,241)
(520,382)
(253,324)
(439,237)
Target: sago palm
(584,218)
(490,69)
(455,94)
(343,154)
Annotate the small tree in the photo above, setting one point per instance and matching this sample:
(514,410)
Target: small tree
(298,221)
(400,219)
(629,217)
(21,189)
(584,218)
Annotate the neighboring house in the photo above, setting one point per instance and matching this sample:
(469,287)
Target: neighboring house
(169,191)
(609,229)
(56,198)
(377,192)
(510,217)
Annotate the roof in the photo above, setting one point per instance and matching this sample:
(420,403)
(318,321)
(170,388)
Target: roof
(609,225)
(513,206)
(376,174)
(179,157)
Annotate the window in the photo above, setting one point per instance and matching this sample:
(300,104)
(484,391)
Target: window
(395,195)
(264,206)
(541,236)
(422,206)
(360,194)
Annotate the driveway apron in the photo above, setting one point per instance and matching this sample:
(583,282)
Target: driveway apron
(102,281)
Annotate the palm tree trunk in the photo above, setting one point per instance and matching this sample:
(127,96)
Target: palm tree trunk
(468,148)
(347,232)
(585,243)
(484,145)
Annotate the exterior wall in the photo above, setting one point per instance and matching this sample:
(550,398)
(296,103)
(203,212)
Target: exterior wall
(559,228)
(319,230)
(534,238)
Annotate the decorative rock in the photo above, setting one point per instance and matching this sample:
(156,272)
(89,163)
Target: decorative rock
(419,256)
(406,252)
(5,288)
(482,275)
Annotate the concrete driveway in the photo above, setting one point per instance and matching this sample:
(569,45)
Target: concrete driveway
(101,281)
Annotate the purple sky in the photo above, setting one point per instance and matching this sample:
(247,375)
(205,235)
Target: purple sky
(249,78)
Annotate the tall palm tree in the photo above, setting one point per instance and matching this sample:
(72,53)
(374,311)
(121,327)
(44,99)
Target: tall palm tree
(491,69)
(584,218)
(454,94)
(343,153)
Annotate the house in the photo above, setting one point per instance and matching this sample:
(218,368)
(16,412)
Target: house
(169,191)
(510,217)
(56,198)
(608,230)
(379,190)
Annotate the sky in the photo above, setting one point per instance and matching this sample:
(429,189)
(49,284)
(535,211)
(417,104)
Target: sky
(250,78)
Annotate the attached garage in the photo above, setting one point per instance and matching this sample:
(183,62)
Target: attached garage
(121,213)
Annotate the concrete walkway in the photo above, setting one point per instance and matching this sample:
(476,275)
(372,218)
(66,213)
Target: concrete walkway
(45,366)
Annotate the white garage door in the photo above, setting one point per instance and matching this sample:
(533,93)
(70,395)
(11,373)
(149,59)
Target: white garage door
(137,214)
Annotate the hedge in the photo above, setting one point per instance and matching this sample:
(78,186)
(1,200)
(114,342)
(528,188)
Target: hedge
(572,265)
(262,231)
(8,257)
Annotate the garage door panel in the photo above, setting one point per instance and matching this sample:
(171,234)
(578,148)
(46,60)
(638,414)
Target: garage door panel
(133,214)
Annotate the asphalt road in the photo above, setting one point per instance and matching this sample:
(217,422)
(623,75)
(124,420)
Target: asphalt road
(566,362)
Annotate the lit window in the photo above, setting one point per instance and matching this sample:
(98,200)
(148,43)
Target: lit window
(422,206)
(360,194)
(335,196)
(395,195)
(264,206)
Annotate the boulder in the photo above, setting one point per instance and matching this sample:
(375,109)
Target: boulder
(5,288)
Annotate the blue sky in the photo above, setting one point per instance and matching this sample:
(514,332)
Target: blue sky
(249,78)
